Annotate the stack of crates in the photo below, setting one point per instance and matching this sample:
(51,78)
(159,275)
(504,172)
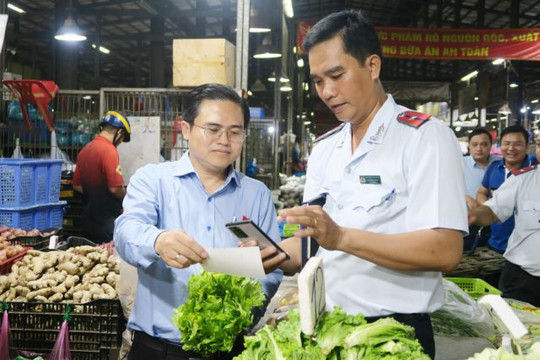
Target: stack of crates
(30,193)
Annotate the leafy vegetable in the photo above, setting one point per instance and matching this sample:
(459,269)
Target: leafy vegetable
(502,354)
(384,339)
(378,332)
(218,309)
(336,325)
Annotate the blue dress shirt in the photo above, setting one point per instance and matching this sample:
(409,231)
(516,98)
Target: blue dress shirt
(493,179)
(170,196)
(474,174)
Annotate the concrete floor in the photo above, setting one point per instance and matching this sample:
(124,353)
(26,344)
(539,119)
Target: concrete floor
(458,348)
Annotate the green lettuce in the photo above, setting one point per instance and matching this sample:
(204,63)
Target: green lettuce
(334,327)
(337,336)
(378,332)
(218,309)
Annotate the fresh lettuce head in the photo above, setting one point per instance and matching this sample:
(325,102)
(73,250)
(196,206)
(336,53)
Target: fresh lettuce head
(218,309)
(338,336)
(334,327)
(378,332)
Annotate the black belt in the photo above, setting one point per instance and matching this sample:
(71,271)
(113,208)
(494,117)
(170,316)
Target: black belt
(399,317)
(167,347)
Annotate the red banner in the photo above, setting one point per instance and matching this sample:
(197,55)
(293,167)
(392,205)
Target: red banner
(460,44)
(302,29)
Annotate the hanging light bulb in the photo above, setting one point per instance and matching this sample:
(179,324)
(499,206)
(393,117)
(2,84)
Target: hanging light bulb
(505,109)
(70,31)
(267,50)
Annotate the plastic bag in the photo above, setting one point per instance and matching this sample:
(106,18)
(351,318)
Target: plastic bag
(17,153)
(62,348)
(60,351)
(530,317)
(461,315)
(5,335)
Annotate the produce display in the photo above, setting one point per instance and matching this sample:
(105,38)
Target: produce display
(8,233)
(291,191)
(8,251)
(217,311)
(503,354)
(482,261)
(80,274)
(461,315)
(337,336)
(529,315)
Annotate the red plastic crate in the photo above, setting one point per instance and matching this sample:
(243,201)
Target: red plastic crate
(5,266)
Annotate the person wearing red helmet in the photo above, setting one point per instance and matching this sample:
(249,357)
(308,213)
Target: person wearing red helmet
(98,176)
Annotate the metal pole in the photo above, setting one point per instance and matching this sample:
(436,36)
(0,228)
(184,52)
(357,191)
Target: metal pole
(241,63)
(277,101)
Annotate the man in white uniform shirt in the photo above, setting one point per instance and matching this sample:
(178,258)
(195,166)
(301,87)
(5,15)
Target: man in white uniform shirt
(395,213)
(519,195)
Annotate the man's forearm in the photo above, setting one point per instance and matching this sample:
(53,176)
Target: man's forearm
(484,216)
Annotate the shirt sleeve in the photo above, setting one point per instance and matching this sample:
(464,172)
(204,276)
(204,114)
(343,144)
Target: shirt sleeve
(504,198)
(313,186)
(112,169)
(135,231)
(267,221)
(435,180)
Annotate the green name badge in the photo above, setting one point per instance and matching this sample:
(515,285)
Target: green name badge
(370,179)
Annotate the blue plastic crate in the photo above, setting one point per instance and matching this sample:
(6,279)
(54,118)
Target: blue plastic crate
(21,218)
(16,182)
(39,217)
(26,182)
(49,216)
(55,180)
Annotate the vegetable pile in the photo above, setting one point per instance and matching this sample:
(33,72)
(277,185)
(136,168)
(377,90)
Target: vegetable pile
(337,336)
(218,309)
(79,275)
(502,354)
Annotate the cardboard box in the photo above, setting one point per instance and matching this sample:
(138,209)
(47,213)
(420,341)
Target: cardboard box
(199,61)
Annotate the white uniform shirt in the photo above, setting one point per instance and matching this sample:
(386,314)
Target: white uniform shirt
(399,179)
(521,194)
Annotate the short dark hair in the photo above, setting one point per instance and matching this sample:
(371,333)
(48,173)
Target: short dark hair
(211,91)
(516,129)
(480,131)
(358,34)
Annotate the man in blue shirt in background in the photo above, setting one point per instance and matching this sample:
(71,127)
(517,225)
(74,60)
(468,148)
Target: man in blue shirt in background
(514,143)
(174,211)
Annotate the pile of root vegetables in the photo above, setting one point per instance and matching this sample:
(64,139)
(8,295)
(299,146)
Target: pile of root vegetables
(79,275)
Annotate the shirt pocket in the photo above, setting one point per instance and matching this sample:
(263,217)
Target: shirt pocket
(373,198)
(530,215)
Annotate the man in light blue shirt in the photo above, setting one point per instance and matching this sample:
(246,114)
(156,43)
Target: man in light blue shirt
(476,163)
(174,211)
(474,167)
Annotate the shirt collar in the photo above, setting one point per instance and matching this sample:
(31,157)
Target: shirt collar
(475,165)
(526,162)
(378,127)
(185,167)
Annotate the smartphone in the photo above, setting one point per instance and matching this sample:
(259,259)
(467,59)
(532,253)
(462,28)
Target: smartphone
(247,229)
(309,245)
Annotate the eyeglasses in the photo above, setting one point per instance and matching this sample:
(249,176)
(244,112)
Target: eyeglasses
(236,135)
(507,144)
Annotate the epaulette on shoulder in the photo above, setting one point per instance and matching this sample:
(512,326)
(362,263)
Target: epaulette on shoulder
(413,118)
(524,170)
(329,133)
